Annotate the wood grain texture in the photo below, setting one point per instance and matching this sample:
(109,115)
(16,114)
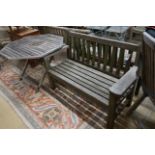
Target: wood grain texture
(112,57)
(148,70)
(84,79)
(32,47)
(123,84)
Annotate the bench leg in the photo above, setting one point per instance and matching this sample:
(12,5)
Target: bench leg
(112,111)
(52,82)
(138,87)
(46,65)
(130,97)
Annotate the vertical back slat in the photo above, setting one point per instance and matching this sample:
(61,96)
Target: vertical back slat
(85,49)
(106,57)
(77,48)
(120,62)
(74,49)
(109,54)
(82,49)
(99,46)
(115,50)
(113,59)
(88,52)
(69,50)
(128,61)
(93,53)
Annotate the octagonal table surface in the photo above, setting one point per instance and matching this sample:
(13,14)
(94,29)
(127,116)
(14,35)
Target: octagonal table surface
(32,47)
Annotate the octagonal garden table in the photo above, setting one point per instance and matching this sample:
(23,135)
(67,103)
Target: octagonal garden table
(38,47)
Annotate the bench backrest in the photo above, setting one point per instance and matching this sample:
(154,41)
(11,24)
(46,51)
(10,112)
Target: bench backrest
(112,57)
(106,55)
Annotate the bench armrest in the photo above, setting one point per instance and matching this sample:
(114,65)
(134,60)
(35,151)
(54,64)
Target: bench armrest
(125,82)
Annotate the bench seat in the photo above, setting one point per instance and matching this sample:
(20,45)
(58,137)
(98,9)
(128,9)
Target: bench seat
(89,81)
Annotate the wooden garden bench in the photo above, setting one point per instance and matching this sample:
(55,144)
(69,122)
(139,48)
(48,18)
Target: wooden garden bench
(99,69)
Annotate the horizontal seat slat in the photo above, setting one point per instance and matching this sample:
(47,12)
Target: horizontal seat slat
(58,75)
(93,71)
(81,81)
(97,79)
(92,82)
(86,78)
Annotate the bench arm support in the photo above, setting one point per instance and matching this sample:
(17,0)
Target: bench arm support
(125,82)
(120,91)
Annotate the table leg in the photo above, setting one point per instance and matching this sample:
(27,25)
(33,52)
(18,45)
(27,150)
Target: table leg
(24,69)
(41,81)
(45,64)
(2,62)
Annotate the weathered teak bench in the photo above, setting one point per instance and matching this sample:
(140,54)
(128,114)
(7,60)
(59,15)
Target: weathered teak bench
(100,69)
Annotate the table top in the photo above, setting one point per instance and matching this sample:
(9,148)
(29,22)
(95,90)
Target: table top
(118,29)
(32,47)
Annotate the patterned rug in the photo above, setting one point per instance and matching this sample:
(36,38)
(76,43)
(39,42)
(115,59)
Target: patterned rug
(60,108)
(39,110)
